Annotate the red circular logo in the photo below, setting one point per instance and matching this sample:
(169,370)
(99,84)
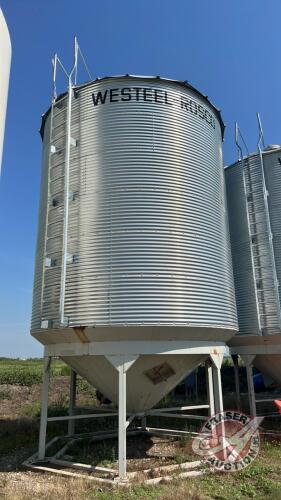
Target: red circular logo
(228,441)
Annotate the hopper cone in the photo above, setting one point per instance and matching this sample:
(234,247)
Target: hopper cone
(149,379)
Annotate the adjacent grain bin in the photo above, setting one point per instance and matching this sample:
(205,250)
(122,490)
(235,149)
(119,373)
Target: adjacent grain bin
(254,204)
(5,51)
(133,267)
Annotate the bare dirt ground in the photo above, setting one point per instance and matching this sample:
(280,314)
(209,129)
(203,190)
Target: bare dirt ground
(22,398)
(19,425)
(143,452)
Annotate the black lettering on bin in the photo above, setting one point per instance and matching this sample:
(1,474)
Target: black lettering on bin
(184,103)
(113,94)
(166,100)
(201,111)
(158,95)
(193,107)
(147,95)
(137,89)
(99,98)
(126,94)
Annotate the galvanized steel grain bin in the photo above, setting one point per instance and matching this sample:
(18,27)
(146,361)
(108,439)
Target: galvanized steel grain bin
(254,205)
(142,251)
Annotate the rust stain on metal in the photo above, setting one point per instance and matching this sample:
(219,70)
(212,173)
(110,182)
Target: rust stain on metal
(80,332)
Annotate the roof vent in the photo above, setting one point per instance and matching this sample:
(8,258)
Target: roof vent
(272,146)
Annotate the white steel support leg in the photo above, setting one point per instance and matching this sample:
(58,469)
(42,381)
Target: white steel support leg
(122,420)
(44,408)
(251,390)
(72,401)
(217,389)
(216,369)
(196,384)
(210,387)
(122,363)
(235,360)
(248,360)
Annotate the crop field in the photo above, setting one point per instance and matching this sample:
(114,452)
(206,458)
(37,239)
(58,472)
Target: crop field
(27,372)
(20,386)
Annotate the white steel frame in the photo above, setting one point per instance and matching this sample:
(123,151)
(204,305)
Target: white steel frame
(248,354)
(122,356)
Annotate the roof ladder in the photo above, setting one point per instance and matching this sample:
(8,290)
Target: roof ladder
(52,149)
(268,225)
(256,199)
(68,196)
(69,142)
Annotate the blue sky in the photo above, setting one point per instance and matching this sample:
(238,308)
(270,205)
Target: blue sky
(229,49)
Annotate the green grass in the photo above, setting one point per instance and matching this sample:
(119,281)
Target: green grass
(105,452)
(5,394)
(28,372)
(135,493)
(260,480)
(17,434)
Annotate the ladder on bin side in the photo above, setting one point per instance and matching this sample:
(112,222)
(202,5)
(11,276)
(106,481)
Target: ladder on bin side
(260,236)
(45,323)
(65,149)
(67,195)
